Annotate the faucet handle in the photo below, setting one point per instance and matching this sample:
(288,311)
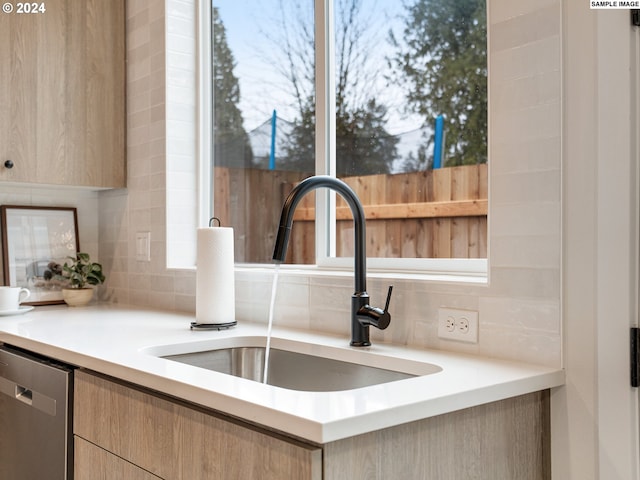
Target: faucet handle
(386,305)
(374,316)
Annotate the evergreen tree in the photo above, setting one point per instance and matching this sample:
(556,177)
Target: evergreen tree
(443,58)
(231,142)
(363,146)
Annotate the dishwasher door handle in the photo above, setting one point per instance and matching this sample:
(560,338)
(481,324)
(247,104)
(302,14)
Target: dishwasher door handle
(29,397)
(24,395)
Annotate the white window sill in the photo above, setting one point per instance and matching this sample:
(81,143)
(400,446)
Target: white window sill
(476,275)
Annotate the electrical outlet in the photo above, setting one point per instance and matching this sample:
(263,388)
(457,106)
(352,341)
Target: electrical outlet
(461,325)
(450,324)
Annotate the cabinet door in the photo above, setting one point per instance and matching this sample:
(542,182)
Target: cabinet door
(62,94)
(175,441)
(94,463)
(19,77)
(96,121)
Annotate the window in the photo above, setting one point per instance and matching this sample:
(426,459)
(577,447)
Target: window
(389,96)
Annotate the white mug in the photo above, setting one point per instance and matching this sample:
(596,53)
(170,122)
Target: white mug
(12,297)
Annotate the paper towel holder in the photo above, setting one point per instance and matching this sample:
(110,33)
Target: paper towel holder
(213,326)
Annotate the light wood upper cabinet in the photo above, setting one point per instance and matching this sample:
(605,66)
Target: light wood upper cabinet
(62,94)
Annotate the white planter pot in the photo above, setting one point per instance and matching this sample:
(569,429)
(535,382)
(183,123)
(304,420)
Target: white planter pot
(77,297)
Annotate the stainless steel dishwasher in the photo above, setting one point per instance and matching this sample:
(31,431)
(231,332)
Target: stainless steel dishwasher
(35,417)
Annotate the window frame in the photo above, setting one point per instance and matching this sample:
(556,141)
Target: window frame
(440,269)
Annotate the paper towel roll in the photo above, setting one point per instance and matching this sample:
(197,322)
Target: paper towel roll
(215,279)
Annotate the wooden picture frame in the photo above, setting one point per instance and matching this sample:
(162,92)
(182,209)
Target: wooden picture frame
(36,241)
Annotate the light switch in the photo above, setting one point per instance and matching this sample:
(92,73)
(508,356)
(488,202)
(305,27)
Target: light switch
(143,246)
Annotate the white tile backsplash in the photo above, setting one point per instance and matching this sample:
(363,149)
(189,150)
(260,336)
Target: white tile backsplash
(526,60)
(519,308)
(523,157)
(514,32)
(502,10)
(540,251)
(527,187)
(518,219)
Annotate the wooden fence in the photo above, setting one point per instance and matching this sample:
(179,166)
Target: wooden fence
(435,214)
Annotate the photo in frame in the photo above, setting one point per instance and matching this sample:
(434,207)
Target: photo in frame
(36,242)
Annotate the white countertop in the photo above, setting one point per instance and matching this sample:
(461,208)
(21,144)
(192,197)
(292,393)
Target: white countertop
(119,341)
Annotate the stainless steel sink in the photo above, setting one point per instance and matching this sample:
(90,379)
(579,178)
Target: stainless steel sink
(292,370)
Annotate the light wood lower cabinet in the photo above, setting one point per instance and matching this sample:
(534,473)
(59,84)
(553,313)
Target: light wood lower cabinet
(93,463)
(129,427)
(506,440)
(174,441)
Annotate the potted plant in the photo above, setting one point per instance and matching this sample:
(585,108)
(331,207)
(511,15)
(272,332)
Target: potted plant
(81,275)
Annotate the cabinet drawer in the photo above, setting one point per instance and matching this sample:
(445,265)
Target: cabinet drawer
(174,441)
(94,463)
